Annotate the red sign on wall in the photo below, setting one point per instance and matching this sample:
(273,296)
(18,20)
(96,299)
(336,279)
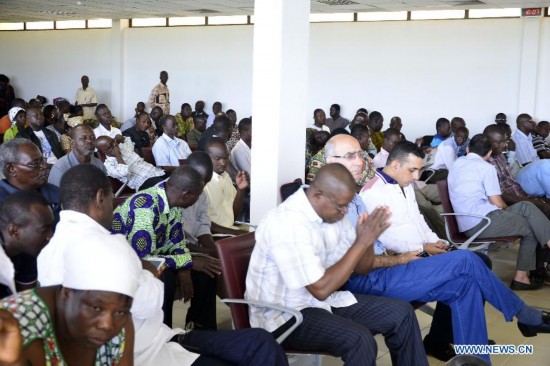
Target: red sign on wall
(531,12)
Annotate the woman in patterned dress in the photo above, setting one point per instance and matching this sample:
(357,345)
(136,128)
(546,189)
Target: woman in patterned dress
(86,320)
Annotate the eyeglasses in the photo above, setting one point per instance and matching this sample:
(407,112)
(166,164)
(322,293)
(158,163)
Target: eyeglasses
(342,209)
(33,164)
(350,156)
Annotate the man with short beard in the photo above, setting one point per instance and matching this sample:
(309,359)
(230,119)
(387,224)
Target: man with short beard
(82,152)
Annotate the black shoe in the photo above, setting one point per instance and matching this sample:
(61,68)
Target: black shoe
(539,276)
(520,286)
(443,352)
(533,330)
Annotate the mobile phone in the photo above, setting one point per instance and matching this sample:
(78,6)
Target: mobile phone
(423,254)
(156,261)
(451,247)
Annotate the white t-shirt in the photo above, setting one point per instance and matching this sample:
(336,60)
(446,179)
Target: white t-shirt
(46,148)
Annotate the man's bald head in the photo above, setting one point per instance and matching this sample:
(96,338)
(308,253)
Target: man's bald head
(346,150)
(331,192)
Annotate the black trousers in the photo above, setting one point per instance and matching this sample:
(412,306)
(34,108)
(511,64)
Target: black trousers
(245,347)
(348,332)
(202,309)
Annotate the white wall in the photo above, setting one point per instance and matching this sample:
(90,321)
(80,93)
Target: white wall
(203,63)
(419,70)
(51,63)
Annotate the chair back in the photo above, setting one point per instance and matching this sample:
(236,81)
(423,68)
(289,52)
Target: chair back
(288,189)
(148,155)
(452,225)
(234,254)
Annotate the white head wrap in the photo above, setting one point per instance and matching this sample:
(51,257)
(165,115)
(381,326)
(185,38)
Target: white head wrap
(13,113)
(107,264)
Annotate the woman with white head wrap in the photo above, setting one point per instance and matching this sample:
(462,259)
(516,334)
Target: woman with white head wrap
(88,316)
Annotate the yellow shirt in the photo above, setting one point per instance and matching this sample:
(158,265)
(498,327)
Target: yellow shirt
(221,193)
(11,133)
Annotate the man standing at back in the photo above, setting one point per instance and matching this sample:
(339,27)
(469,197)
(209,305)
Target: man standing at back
(86,98)
(160,95)
(305,265)
(336,120)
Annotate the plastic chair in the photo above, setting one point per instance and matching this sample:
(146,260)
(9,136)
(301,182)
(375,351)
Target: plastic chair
(234,254)
(451,226)
(148,155)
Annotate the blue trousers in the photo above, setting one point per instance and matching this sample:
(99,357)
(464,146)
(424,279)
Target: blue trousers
(458,279)
(245,347)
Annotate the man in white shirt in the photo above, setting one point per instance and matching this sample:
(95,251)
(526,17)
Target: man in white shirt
(391,137)
(525,152)
(86,98)
(447,151)
(319,119)
(125,165)
(458,279)
(304,252)
(169,150)
(474,189)
(240,155)
(105,118)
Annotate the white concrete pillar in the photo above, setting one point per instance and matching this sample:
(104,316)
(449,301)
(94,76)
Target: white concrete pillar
(117,67)
(279,99)
(529,69)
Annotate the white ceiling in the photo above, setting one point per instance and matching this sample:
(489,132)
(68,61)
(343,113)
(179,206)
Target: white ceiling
(35,10)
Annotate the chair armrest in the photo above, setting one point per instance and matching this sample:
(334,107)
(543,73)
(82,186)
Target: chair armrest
(120,189)
(473,237)
(242,223)
(295,313)
(431,172)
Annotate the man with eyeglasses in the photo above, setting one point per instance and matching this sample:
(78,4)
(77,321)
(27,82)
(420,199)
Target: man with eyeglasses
(458,279)
(304,252)
(24,168)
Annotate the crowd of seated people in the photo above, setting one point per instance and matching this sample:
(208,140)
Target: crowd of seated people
(187,177)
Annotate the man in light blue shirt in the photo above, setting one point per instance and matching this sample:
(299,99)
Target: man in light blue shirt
(525,152)
(169,150)
(474,189)
(535,178)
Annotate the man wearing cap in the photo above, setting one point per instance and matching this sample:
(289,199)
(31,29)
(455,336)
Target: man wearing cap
(18,118)
(86,318)
(87,213)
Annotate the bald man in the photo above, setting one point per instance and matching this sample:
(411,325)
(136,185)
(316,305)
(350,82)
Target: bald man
(456,278)
(304,253)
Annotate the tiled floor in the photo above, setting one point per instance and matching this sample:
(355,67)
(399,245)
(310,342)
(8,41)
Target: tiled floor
(503,333)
